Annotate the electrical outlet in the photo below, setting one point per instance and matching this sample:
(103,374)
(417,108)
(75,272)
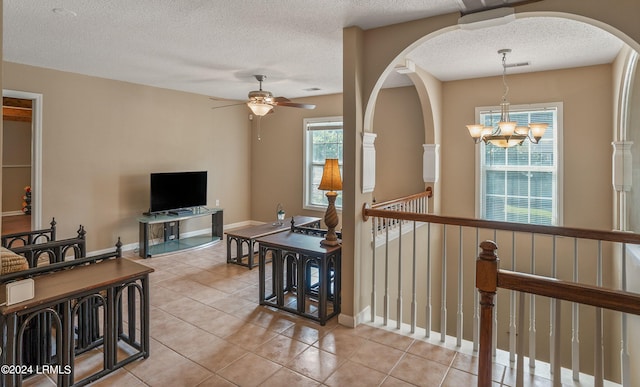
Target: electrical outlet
(217,202)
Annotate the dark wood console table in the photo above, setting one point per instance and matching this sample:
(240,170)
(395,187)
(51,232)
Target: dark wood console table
(246,237)
(172,241)
(305,278)
(59,297)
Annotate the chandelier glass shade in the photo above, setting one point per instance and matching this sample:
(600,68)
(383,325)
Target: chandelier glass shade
(507,133)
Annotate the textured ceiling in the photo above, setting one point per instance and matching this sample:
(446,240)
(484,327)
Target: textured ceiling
(213,47)
(545,43)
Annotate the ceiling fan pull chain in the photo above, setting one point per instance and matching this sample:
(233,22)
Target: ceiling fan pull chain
(259,138)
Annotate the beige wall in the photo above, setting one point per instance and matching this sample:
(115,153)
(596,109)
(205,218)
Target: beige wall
(102,138)
(277,159)
(586,96)
(16,161)
(586,155)
(399,127)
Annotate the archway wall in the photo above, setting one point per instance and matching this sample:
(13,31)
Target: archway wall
(385,46)
(370,55)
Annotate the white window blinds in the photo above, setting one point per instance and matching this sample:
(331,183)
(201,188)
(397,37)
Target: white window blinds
(323,140)
(520,184)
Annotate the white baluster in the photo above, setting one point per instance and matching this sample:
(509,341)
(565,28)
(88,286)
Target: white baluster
(460,290)
(552,312)
(386,276)
(374,223)
(512,305)
(428,306)
(556,364)
(598,366)
(575,321)
(476,306)
(520,342)
(399,301)
(624,351)
(494,332)
(532,312)
(443,307)
(414,274)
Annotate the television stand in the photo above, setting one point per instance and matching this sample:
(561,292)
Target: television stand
(172,242)
(181,212)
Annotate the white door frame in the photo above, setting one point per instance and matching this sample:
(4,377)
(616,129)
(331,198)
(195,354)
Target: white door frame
(36,152)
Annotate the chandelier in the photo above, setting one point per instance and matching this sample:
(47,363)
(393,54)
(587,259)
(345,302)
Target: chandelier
(507,133)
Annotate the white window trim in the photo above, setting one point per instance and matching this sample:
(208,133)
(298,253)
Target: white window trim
(559,151)
(306,173)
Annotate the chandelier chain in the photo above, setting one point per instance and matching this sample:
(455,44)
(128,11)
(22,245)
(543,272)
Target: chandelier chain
(504,77)
(504,106)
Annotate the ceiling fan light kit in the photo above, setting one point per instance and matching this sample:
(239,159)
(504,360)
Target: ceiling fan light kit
(259,108)
(507,133)
(262,102)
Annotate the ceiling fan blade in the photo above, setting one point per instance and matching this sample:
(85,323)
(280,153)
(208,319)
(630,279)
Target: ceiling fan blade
(295,104)
(224,106)
(223,99)
(282,101)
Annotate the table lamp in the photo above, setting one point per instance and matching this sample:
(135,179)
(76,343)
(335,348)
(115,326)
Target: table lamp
(331,182)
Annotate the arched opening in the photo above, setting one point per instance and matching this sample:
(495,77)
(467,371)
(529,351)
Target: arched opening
(450,104)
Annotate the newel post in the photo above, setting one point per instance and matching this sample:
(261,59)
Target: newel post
(486,282)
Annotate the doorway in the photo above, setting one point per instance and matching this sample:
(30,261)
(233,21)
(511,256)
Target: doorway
(18,166)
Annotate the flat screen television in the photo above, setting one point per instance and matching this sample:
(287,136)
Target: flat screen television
(177,190)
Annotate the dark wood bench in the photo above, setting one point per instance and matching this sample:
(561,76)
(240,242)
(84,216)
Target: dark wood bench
(29,237)
(67,294)
(42,247)
(38,344)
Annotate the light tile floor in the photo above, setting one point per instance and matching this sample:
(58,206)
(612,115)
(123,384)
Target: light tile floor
(207,329)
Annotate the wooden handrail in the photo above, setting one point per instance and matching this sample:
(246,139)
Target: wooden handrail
(611,236)
(489,277)
(427,193)
(600,297)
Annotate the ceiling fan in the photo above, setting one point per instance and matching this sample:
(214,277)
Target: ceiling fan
(262,102)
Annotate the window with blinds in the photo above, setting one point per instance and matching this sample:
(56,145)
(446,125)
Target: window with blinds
(521,184)
(323,140)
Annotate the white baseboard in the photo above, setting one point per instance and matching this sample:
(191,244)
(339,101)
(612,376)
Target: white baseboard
(12,213)
(364,315)
(346,320)
(351,322)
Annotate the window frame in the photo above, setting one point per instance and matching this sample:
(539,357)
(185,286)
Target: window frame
(558,207)
(308,163)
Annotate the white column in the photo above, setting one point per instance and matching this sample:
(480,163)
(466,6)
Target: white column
(368,162)
(430,163)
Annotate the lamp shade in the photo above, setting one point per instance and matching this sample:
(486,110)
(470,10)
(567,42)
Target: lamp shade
(507,128)
(475,130)
(538,129)
(331,180)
